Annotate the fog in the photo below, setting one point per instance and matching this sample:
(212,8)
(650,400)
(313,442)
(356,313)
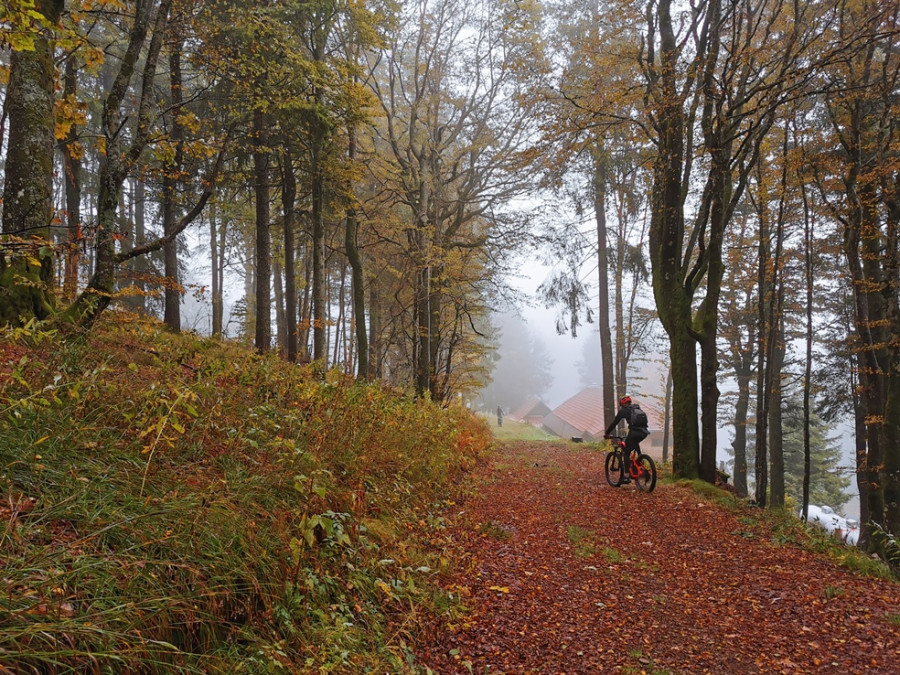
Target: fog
(570,367)
(532,356)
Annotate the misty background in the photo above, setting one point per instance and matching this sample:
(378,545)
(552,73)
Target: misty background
(533,358)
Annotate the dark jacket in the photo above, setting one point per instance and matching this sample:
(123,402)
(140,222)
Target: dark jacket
(626,412)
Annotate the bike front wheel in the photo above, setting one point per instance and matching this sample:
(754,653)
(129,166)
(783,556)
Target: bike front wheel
(615,468)
(646,473)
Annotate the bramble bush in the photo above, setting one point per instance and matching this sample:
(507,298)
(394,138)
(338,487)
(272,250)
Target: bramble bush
(179,504)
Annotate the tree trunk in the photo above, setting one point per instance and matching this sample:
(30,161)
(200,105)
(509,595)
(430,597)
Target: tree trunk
(339,331)
(375,360)
(71,152)
(685,464)
(263,334)
(606,354)
(171,179)
(288,199)
(739,445)
(305,310)
(28,184)
(351,244)
(742,329)
(667,418)
(422,313)
(249,290)
(216,255)
(761,463)
(862,478)
(114,162)
(862,254)
(141,266)
(776,415)
(709,401)
(810,336)
(621,342)
(673,298)
(280,312)
(435,331)
(320,320)
(892,401)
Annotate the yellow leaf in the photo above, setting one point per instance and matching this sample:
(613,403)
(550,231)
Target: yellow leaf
(501,589)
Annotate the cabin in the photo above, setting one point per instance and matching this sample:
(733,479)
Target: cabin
(533,411)
(581,417)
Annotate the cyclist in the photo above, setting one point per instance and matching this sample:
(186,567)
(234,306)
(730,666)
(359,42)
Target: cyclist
(636,418)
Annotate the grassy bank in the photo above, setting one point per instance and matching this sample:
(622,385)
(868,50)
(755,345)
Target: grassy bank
(175,504)
(513,430)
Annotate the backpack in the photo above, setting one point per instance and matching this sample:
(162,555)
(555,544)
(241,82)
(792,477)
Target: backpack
(638,418)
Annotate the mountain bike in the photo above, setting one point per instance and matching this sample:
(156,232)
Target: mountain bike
(639,468)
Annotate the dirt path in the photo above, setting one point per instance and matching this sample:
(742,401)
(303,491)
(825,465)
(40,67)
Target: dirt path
(559,583)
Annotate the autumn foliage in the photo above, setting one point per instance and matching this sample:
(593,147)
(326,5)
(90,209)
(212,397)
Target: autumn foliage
(173,504)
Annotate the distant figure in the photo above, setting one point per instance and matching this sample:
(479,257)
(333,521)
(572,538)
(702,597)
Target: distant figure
(637,425)
(499,416)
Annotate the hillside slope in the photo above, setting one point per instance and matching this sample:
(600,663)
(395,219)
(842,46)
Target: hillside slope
(172,504)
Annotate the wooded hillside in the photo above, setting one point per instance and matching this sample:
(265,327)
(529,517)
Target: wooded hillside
(354,182)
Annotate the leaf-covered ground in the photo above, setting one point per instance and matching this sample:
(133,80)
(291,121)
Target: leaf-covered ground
(565,575)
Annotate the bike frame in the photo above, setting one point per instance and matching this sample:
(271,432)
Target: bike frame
(635,470)
(632,465)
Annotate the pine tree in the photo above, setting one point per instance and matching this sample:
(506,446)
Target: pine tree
(829,477)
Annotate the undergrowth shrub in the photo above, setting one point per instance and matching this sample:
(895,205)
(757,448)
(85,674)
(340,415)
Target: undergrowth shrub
(175,504)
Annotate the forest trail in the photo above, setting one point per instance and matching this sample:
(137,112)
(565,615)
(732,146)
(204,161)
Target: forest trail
(558,582)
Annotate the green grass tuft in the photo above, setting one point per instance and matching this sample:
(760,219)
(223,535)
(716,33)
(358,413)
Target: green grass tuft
(583,541)
(612,555)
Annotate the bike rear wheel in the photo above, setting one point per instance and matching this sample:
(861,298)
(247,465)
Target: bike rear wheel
(646,473)
(615,468)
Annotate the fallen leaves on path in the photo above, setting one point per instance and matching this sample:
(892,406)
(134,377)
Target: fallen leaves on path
(567,575)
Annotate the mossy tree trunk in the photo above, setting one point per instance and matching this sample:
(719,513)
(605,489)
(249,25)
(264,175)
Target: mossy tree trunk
(667,231)
(26,262)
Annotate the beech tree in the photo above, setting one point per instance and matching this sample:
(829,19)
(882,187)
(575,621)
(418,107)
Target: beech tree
(739,332)
(588,144)
(26,260)
(716,78)
(123,139)
(455,134)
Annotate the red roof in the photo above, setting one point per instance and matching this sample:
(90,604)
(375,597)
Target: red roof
(584,411)
(533,406)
